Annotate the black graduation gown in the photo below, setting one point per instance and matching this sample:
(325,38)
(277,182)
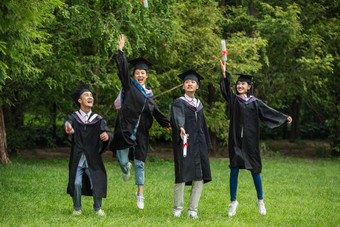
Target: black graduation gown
(195,166)
(135,104)
(86,139)
(244,129)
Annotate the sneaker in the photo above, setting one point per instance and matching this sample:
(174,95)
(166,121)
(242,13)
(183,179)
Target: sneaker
(262,209)
(99,212)
(232,209)
(76,212)
(192,214)
(140,201)
(126,176)
(177,213)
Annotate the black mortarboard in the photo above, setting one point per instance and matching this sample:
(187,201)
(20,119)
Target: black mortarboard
(78,92)
(245,78)
(191,75)
(141,63)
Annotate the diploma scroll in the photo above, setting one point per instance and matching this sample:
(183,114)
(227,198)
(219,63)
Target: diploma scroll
(145,3)
(68,127)
(185,145)
(224,51)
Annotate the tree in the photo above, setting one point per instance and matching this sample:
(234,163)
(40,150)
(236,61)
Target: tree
(20,27)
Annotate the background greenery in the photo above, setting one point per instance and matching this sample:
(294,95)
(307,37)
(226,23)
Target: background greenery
(48,48)
(296,191)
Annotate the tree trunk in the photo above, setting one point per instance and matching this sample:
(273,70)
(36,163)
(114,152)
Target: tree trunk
(296,107)
(3,143)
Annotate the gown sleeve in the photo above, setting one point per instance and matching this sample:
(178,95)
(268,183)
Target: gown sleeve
(104,128)
(227,93)
(123,70)
(269,116)
(161,119)
(177,120)
(206,133)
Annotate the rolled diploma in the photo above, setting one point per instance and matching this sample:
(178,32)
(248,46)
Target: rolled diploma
(145,3)
(185,145)
(68,126)
(223,50)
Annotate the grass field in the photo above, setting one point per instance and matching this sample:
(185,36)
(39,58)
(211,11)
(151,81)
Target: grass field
(297,192)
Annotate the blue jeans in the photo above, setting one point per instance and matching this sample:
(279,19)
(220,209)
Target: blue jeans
(97,202)
(123,158)
(234,181)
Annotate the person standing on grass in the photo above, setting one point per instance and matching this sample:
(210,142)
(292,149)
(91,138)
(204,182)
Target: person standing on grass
(244,151)
(137,109)
(89,136)
(191,167)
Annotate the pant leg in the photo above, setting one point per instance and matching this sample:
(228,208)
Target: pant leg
(196,191)
(258,184)
(123,158)
(97,201)
(233,181)
(178,196)
(139,172)
(78,183)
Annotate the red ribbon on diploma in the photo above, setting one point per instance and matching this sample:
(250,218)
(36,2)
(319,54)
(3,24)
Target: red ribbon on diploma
(224,53)
(186,144)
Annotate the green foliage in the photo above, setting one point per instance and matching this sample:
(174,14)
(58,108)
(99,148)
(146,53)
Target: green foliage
(36,195)
(48,48)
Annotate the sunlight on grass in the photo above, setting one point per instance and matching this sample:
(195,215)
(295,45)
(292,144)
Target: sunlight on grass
(296,192)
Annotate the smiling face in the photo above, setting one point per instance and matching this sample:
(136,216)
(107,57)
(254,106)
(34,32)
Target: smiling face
(140,76)
(190,86)
(86,100)
(242,87)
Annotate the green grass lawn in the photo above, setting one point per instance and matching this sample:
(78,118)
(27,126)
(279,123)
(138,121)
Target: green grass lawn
(296,192)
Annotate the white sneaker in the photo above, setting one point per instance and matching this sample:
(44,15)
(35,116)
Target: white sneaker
(262,209)
(126,176)
(232,209)
(100,212)
(192,214)
(76,212)
(140,201)
(177,213)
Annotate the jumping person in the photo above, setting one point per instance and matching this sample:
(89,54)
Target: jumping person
(135,117)
(192,168)
(243,141)
(89,136)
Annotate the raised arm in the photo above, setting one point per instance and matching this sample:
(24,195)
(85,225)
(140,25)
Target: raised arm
(122,64)
(225,83)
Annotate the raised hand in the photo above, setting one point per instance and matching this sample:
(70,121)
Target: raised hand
(121,42)
(223,67)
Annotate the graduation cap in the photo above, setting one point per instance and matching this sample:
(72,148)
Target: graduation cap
(78,92)
(191,75)
(245,78)
(141,63)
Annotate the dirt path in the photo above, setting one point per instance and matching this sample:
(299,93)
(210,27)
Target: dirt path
(309,149)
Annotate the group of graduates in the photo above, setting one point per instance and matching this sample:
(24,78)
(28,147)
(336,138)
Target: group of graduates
(89,135)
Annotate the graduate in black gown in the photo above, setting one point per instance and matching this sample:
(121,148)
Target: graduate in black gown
(191,167)
(89,136)
(244,132)
(135,118)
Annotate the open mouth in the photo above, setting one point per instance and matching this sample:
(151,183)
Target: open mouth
(140,79)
